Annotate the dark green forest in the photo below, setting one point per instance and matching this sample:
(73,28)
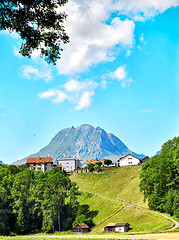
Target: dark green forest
(36,201)
(160,179)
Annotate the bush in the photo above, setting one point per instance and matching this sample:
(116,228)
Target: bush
(107,162)
(99,163)
(90,167)
(97,168)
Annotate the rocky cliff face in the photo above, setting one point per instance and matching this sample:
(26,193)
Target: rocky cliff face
(82,142)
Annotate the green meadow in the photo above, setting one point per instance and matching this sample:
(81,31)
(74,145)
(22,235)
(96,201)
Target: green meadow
(54,238)
(109,194)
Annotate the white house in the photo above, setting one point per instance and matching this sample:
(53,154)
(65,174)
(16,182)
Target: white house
(128,160)
(117,227)
(69,164)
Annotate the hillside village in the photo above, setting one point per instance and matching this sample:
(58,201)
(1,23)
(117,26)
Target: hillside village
(45,164)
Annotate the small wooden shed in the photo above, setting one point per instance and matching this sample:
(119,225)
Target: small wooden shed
(80,228)
(117,227)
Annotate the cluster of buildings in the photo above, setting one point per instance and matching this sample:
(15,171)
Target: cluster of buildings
(123,161)
(45,164)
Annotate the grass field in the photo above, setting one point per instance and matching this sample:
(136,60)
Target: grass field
(118,184)
(158,236)
(45,237)
(122,184)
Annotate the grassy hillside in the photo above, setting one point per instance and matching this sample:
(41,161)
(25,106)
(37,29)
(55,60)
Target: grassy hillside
(107,189)
(123,184)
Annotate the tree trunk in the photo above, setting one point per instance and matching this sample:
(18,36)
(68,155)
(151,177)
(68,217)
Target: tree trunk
(59,225)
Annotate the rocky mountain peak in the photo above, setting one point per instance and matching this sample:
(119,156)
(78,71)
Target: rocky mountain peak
(85,142)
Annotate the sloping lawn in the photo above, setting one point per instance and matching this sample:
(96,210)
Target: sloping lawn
(123,184)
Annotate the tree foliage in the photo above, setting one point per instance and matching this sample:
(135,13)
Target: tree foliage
(90,167)
(99,163)
(31,201)
(97,168)
(107,162)
(160,179)
(39,24)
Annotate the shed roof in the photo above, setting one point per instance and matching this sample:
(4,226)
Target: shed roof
(82,225)
(116,224)
(40,160)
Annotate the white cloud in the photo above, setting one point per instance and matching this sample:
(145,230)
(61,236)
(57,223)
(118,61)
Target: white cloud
(76,92)
(142,42)
(147,8)
(16,52)
(55,96)
(85,100)
(104,83)
(12,34)
(91,38)
(128,53)
(127,82)
(31,72)
(141,38)
(120,74)
(145,111)
(139,18)
(77,86)
(28,70)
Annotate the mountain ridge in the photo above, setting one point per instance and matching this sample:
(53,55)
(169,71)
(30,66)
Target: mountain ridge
(83,142)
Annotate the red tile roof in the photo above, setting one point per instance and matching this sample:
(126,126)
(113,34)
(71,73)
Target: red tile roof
(59,165)
(40,160)
(94,161)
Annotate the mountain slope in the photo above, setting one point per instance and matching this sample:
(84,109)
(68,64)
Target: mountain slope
(83,142)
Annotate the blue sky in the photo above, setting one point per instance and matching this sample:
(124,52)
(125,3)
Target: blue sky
(120,72)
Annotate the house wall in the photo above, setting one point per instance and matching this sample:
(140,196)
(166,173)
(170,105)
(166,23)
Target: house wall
(41,166)
(69,164)
(46,167)
(32,167)
(129,160)
(119,229)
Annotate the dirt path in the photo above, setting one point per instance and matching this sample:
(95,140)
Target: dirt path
(175,223)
